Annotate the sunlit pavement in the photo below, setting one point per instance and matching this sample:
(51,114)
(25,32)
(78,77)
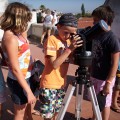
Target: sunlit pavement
(86,108)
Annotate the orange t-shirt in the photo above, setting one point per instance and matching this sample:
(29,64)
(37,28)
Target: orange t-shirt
(54,78)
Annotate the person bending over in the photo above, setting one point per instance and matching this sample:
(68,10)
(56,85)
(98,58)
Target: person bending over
(57,49)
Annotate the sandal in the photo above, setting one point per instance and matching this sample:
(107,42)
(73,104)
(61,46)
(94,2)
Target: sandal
(36,112)
(115,109)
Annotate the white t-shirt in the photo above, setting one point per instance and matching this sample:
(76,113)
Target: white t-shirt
(43,14)
(48,19)
(55,18)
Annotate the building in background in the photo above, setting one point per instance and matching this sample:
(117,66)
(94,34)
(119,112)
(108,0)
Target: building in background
(3,4)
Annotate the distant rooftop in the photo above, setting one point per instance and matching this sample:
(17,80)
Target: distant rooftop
(85,22)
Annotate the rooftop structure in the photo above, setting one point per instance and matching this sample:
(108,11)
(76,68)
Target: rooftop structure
(3,4)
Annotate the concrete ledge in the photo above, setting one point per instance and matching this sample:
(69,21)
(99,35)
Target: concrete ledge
(36,29)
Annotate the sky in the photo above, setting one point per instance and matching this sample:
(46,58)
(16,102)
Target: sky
(64,6)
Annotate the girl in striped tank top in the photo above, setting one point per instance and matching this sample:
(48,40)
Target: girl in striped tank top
(17,53)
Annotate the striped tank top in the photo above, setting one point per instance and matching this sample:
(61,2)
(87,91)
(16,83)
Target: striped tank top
(24,59)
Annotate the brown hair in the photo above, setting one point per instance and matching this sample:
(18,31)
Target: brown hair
(48,11)
(16,17)
(104,12)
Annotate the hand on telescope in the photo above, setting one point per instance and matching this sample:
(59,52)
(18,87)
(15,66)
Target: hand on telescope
(76,41)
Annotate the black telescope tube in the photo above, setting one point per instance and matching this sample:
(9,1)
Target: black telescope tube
(97,29)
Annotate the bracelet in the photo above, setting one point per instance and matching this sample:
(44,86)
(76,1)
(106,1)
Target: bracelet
(108,81)
(68,50)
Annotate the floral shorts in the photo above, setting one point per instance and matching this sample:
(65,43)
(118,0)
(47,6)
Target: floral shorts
(50,101)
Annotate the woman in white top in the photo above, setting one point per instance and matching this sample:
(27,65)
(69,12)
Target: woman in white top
(47,25)
(55,21)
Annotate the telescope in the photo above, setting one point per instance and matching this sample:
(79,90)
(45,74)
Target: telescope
(81,56)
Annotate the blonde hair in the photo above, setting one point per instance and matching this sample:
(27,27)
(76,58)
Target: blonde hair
(48,11)
(16,18)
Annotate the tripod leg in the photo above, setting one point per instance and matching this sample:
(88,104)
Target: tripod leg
(79,97)
(66,101)
(94,102)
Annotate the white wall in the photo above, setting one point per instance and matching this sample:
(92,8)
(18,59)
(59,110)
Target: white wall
(37,29)
(34,17)
(33,20)
(3,4)
(1,34)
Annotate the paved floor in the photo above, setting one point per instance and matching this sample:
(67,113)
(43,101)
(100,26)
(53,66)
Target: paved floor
(86,105)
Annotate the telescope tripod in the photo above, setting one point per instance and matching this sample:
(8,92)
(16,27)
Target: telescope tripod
(82,75)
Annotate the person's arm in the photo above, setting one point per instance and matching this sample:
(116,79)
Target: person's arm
(58,61)
(53,21)
(11,47)
(112,73)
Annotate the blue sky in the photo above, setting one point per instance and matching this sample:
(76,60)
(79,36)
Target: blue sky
(73,6)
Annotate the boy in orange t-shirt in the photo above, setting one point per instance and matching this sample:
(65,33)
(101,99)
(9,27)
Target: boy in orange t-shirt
(57,57)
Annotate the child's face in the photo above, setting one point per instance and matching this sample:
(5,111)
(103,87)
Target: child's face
(66,31)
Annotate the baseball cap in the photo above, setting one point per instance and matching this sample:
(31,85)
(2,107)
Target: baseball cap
(68,19)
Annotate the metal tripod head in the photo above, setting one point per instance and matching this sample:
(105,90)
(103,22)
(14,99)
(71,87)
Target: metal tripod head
(82,76)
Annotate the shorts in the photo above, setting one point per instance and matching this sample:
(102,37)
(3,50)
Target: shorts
(18,95)
(50,101)
(98,85)
(47,27)
(2,88)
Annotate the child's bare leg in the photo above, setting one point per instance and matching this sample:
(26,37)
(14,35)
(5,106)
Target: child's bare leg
(20,113)
(53,118)
(29,109)
(106,113)
(42,37)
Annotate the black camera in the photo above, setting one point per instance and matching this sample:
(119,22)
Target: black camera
(81,56)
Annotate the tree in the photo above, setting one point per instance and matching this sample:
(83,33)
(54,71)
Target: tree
(78,15)
(82,10)
(42,7)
